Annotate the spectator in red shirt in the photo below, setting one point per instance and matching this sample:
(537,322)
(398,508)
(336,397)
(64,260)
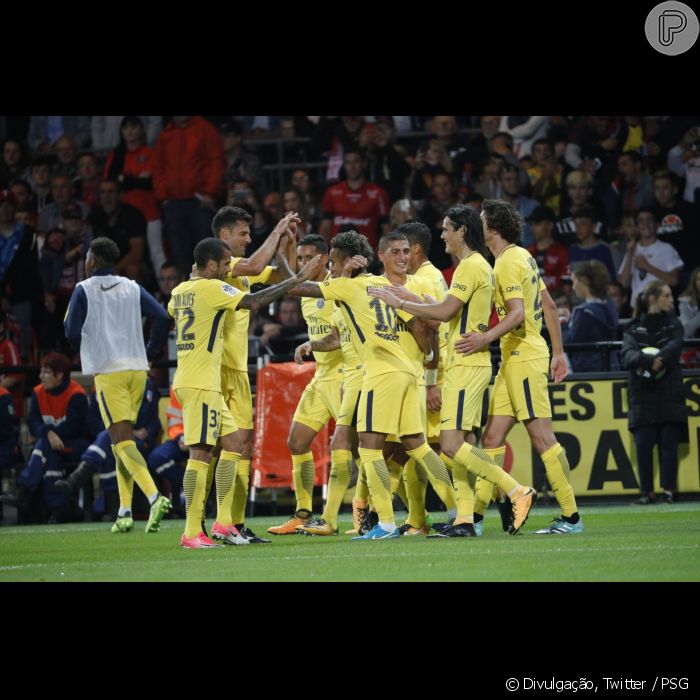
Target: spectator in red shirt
(9,355)
(552,257)
(355,202)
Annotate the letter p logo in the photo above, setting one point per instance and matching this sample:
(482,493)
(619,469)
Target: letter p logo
(671,22)
(672,28)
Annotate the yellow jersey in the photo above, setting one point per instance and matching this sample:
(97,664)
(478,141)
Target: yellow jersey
(374,323)
(198,307)
(428,271)
(235,354)
(472,283)
(518,277)
(418,286)
(318,315)
(352,360)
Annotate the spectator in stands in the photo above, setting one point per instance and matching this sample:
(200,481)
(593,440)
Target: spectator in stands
(57,419)
(22,190)
(355,202)
(509,182)
(501,145)
(107,132)
(588,247)
(432,159)
(332,138)
(478,147)
(240,161)
(593,147)
(657,412)
(433,214)
(402,210)
(87,184)
(689,306)
(66,154)
(525,131)
(188,169)
(592,321)
(10,453)
(546,175)
(552,257)
(44,132)
(578,194)
(648,259)
(684,160)
(619,295)
(62,192)
(444,129)
(20,285)
(123,224)
(131,164)
(40,181)
(13,163)
(678,221)
(99,458)
(293,200)
(281,337)
(631,189)
(168,461)
(301,181)
(387,166)
(9,355)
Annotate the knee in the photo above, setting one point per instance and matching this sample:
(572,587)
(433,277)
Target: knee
(491,441)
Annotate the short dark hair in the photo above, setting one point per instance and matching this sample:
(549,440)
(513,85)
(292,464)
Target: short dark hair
(131,121)
(417,232)
(57,363)
(318,242)
(634,156)
(463,215)
(586,212)
(210,249)
(105,251)
(503,218)
(227,217)
(353,243)
(173,264)
(391,236)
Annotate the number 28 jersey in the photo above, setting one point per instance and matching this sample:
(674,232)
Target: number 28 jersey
(517,277)
(198,307)
(373,323)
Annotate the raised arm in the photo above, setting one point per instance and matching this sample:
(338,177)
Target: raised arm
(257,262)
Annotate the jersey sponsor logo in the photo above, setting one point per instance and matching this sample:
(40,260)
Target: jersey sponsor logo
(106,289)
(483,327)
(514,288)
(457,285)
(342,220)
(181,347)
(228,289)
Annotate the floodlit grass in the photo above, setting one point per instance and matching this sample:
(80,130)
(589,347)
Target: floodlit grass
(621,543)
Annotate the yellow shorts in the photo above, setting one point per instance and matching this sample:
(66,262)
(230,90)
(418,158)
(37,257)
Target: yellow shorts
(235,386)
(463,398)
(520,390)
(352,386)
(390,404)
(319,403)
(205,416)
(120,395)
(433,427)
(422,399)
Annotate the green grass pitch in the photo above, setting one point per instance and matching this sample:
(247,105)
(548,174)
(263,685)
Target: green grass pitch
(621,543)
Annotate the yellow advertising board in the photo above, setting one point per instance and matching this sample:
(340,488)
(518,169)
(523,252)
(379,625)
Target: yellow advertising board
(590,421)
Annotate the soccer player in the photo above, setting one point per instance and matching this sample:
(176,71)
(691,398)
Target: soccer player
(232,225)
(520,391)
(319,402)
(389,401)
(466,306)
(198,306)
(104,318)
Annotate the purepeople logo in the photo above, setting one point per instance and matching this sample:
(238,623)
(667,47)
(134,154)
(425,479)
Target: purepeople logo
(672,28)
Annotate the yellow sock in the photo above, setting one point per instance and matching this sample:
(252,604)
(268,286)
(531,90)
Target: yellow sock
(361,488)
(558,473)
(225,480)
(338,480)
(477,461)
(211,471)
(498,455)
(135,464)
(379,483)
(464,492)
(437,474)
(125,483)
(448,461)
(395,470)
(194,483)
(415,482)
(240,491)
(303,473)
(483,491)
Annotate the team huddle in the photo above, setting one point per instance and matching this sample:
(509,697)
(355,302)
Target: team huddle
(402,364)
